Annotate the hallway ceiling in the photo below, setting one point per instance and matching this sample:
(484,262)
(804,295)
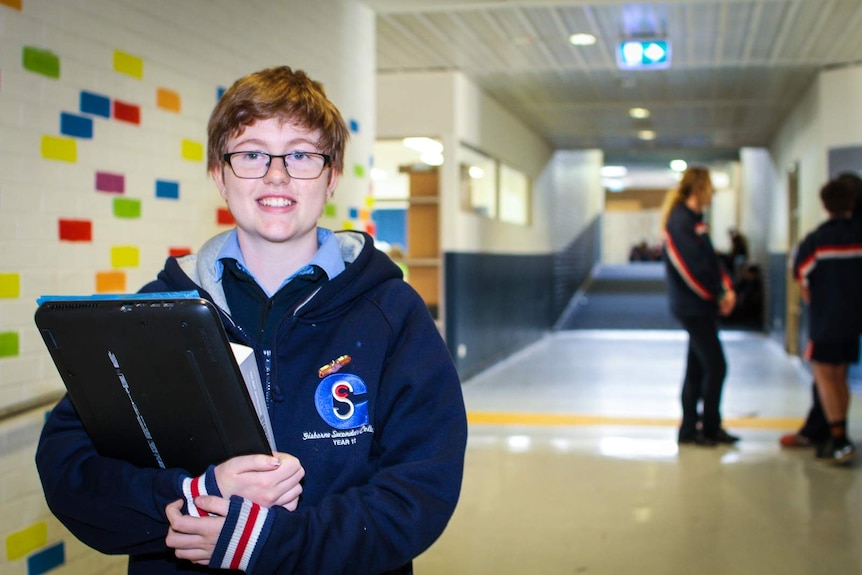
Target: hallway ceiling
(738,66)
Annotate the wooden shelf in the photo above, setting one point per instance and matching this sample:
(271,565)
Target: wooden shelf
(422,259)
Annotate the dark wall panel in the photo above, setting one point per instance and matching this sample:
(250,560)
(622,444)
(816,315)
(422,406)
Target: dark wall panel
(497,304)
(776,294)
(573,265)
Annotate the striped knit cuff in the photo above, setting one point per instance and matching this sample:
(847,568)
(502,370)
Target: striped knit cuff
(195,486)
(245,530)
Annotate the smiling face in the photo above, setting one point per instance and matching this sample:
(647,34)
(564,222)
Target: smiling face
(275,210)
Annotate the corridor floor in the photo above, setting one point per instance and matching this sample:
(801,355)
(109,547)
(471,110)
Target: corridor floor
(573,468)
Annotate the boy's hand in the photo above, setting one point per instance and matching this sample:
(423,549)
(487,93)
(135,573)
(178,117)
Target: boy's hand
(194,538)
(268,480)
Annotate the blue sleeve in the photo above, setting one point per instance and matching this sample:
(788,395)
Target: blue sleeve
(112,506)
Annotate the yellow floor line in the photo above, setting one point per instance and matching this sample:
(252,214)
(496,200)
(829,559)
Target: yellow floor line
(567,419)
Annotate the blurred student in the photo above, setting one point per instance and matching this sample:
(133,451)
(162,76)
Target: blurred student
(828,267)
(699,290)
(815,429)
(365,402)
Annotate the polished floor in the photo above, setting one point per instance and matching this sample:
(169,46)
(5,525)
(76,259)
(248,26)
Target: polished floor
(573,468)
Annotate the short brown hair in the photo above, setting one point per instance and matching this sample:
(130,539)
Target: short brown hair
(279,92)
(837,197)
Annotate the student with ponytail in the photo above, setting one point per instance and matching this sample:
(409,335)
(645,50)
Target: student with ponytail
(699,290)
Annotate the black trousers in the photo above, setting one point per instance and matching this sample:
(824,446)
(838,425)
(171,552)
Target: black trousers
(705,370)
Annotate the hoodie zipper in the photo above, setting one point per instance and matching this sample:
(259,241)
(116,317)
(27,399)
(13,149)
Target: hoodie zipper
(267,355)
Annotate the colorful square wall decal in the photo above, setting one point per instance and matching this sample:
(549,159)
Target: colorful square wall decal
(62,149)
(10,285)
(125,257)
(192,150)
(95,104)
(10,345)
(40,61)
(46,559)
(108,182)
(23,542)
(179,252)
(111,282)
(75,230)
(127,208)
(329,210)
(128,64)
(126,112)
(352,213)
(354,126)
(359,170)
(167,189)
(168,100)
(224,217)
(76,126)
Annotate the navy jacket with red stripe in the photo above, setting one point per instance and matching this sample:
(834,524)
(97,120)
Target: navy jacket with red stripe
(829,263)
(696,279)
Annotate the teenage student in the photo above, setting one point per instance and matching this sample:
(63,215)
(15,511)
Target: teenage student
(828,267)
(815,430)
(699,290)
(364,399)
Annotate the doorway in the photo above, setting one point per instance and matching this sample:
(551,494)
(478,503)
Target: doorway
(794,300)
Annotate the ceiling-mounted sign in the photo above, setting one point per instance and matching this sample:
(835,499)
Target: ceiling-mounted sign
(643,54)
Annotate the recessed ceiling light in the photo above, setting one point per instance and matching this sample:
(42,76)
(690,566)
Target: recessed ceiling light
(432,158)
(639,113)
(581,39)
(646,135)
(423,145)
(678,165)
(720,180)
(609,171)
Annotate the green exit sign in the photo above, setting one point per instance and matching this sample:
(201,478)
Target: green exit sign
(643,54)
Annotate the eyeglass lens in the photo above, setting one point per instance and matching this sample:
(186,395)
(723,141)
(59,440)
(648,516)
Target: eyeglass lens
(299,165)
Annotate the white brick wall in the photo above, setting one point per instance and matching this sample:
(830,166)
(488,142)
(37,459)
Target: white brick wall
(192,47)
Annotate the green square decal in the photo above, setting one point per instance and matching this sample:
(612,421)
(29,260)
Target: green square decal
(127,208)
(9,346)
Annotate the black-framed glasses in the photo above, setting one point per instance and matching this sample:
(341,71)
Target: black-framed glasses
(299,165)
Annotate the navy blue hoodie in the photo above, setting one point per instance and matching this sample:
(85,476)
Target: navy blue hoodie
(379,489)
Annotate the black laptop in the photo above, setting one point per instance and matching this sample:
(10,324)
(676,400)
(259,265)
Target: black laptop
(153,379)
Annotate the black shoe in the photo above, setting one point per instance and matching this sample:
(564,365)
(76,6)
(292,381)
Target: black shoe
(697,439)
(836,451)
(723,437)
(823,449)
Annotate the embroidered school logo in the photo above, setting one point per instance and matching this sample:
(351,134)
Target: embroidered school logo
(341,401)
